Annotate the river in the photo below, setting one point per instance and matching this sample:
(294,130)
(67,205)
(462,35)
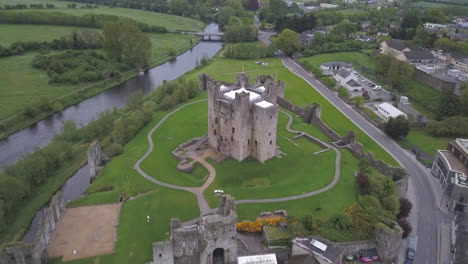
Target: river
(40,134)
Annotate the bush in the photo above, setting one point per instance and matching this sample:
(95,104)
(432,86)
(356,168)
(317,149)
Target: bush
(363,183)
(28,112)
(343,92)
(397,127)
(405,208)
(406,226)
(329,82)
(113,150)
(455,126)
(309,223)
(172,52)
(257,226)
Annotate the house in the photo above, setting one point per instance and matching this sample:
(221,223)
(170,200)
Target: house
(328,67)
(450,167)
(325,5)
(434,26)
(315,250)
(457,36)
(382,32)
(307,37)
(389,111)
(414,54)
(364,25)
(350,1)
(347,79)
(459,61)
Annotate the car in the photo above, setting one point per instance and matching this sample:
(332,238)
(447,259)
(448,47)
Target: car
(377,88)
(408,261)
(410,254)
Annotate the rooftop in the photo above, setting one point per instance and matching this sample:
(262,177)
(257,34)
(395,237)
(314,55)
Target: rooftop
(264,104)
(454,162)
(418,53)
(322,248)
(253,96)
(336,63)
(353,83)
(343,73)
(258,259)
(397,44)
(391,110)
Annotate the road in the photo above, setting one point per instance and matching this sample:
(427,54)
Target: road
(428,214)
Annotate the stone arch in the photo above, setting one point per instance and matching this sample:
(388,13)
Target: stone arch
(218,256)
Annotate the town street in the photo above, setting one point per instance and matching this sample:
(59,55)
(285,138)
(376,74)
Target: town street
(425,205)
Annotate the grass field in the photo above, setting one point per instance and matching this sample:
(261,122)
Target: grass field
(157,19)
(427,143)
(23,86)
(11,33)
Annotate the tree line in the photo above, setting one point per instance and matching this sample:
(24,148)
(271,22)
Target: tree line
(24,6)
(88,20)
(79,39)
(245,51)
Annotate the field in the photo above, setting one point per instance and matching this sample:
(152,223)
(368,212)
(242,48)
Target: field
(426,142)
(436,5)
(23,86)
(11,33)
(157,19)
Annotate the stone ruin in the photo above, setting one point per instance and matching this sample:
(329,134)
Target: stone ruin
(213,239)
(242,119)
(96,159)
(36,252)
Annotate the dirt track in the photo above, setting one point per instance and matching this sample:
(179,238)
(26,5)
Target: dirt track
(90,230)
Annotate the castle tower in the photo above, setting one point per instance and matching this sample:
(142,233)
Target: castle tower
(242,119)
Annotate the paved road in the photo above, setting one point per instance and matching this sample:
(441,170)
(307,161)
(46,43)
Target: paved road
(429,214)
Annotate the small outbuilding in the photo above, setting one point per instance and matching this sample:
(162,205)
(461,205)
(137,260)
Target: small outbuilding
(389,111)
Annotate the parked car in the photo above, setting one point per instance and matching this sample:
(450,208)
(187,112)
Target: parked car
(377,88)
(410,254)
(408,261)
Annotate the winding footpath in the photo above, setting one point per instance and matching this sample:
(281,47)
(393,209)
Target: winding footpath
(198,191)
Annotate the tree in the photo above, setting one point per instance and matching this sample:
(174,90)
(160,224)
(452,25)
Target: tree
(112,40)
(70,131)
(224,15)
(405,208)
(363,183)
(288,42)
(309,223)
(406,226)
(464,101)
(449,105)
(421,37)
(358,101)
(136,46)
(444,44)
(397,127)
(343,92)
(344,28)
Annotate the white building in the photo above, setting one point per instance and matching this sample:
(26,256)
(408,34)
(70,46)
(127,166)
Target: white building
(388,110)
(434,26)
(325,5)
(348,80)
(258,259)
(329,67)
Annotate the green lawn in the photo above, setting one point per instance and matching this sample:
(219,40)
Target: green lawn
(11,33)
(356,58)
(427,143)
(436,5)
(297,172)
(156,19)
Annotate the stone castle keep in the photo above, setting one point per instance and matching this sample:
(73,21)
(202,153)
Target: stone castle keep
(213,239)
(242,119)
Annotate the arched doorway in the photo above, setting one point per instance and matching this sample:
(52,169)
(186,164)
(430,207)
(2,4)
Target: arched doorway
(218,256)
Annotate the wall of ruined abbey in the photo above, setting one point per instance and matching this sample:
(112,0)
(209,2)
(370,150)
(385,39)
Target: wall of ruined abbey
(196,244)
(36,252)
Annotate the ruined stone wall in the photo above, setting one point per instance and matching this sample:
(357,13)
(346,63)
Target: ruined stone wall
(36,253)
(434,82)
(195,244)
(354,248)
(388,237)
(290,106)
(96,159)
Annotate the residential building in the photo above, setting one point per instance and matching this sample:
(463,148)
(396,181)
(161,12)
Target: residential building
(458,36)
(307,37)
(434,26)
(325,5)
(459,61)
(328,67)
(348,79)
(389,111)
(450,167)
(414,54)
(365,24)
(382,32)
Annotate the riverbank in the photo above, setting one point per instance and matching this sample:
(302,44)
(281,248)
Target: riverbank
(19,121)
